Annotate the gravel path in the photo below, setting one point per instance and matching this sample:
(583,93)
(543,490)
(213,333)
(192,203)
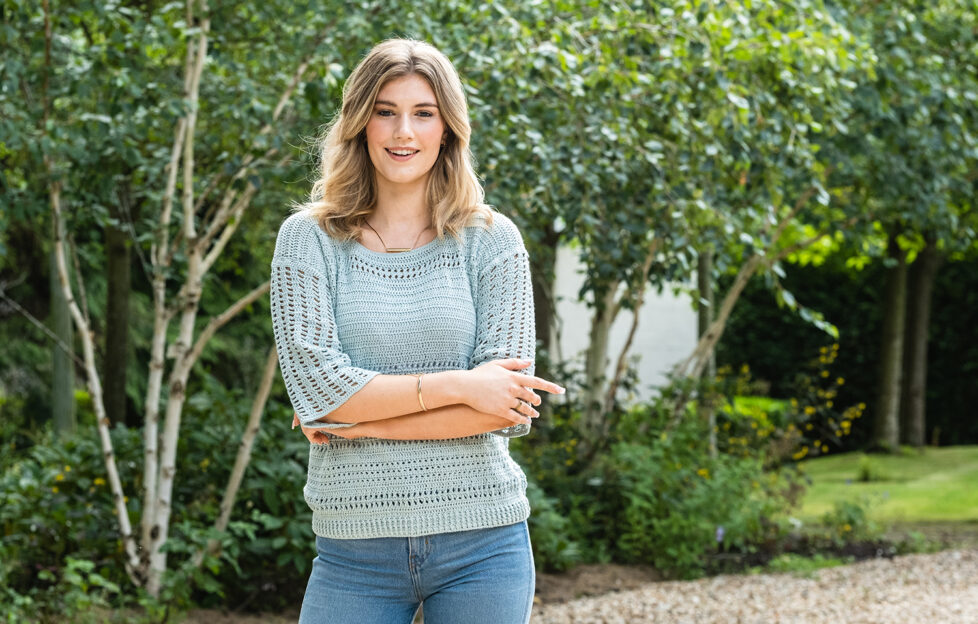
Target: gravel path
(940,588)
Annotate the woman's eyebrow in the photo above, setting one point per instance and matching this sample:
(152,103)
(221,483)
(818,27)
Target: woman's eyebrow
(393,105)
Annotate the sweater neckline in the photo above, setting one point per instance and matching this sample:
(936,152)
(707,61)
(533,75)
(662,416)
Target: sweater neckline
(382,257)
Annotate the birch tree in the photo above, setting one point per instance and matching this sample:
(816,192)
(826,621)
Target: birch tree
(202,201)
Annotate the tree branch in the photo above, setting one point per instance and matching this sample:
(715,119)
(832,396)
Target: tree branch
(222,319)
(243,457)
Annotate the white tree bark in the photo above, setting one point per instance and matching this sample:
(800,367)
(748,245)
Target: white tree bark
(94,386)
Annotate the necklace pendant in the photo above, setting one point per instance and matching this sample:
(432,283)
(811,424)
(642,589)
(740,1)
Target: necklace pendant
(397,249)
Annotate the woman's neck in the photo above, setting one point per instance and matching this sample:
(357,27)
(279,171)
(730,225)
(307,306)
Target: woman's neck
(401,210)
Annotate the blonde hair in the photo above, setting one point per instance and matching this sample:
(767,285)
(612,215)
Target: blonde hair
(346,193)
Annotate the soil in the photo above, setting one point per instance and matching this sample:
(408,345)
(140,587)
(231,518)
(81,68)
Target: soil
(592,580)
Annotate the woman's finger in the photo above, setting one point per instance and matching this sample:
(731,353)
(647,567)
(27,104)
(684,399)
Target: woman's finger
(519,414)
(540,384)
(530,396)
(513,363)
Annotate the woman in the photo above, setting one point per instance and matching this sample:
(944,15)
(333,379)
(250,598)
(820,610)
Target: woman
(403,314)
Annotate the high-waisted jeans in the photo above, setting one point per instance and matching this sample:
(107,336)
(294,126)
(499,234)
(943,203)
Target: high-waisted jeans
(467,577)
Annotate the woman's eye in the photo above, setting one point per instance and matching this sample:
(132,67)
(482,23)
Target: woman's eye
(425,113)
(385,113)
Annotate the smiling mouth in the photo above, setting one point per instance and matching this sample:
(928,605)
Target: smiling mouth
(401,153)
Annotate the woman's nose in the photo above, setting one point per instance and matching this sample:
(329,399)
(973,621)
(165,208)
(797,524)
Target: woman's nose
(402,129)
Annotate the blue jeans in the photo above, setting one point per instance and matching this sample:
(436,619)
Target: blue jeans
(469,577)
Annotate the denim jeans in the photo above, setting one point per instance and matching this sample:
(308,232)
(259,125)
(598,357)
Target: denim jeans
(466,577)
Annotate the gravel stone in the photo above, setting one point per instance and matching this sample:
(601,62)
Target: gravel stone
(939,588)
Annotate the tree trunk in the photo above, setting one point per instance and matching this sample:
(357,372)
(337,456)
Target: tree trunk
(704,316)
(117,267)
(920,287)
(63,377)
(544,306)
(596,364)
(886,427)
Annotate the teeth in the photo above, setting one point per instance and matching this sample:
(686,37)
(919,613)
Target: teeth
(402,152)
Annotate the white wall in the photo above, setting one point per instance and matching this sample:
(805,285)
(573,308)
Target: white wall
(666,327)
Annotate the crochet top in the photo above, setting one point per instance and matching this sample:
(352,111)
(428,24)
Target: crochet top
(342,313)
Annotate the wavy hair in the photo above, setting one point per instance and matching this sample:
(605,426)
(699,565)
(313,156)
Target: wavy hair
(346,192)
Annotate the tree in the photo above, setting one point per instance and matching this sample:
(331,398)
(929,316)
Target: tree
(909,156)
(104,144)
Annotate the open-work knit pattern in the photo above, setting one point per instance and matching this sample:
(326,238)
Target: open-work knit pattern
(342,314)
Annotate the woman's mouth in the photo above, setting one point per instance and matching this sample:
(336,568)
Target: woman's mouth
(401,154)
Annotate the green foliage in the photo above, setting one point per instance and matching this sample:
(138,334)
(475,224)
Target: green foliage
(678,504)
(849,520)
(769,340)
(57,507)
(550,532)
(801,566)
(869,469)
(655,495)
(816,418)
(57,504)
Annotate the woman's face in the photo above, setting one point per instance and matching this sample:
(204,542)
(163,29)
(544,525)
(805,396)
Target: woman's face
(405,131)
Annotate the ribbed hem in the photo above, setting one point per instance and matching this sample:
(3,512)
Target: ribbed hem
(427,522)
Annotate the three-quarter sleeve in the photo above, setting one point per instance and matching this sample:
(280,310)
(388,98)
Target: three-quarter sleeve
(504,313)
(319,376)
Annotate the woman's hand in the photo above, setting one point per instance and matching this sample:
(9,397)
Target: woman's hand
(496,388)
(318,436)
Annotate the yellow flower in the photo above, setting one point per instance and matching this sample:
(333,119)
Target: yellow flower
(59,477)
(829,404)
(67,468)
(825,373)
(809,427)
(809,410)
(862,406)
(204,463)
(840,381)
(825,449)
(55,489)
(99,481)
(704,472)
(847,527)
(125,499)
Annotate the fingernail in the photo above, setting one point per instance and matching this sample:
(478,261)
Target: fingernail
(293,424)
(561,390)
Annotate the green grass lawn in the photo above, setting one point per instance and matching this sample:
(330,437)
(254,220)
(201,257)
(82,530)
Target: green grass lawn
(936,485)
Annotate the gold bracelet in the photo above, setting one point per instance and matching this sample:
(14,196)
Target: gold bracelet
(420,400)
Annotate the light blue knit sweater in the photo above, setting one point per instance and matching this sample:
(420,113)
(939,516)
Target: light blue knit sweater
(342,313)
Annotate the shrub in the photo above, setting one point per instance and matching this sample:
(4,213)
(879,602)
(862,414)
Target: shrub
(869,469)
(849,521)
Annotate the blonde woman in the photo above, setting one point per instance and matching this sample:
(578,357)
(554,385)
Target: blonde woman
(403,314)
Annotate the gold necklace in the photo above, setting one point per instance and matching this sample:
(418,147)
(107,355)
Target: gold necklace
(397,249)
